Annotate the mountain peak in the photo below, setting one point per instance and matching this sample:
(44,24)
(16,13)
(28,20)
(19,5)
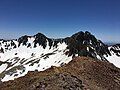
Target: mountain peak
(40,35)
(86,44)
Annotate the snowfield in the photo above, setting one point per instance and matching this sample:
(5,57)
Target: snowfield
(23,59)
(114,58)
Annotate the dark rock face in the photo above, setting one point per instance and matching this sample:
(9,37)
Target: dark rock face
(1,50)
(85,44)
(40,39)
(23,40)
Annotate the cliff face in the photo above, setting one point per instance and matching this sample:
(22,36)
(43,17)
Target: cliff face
(82,73)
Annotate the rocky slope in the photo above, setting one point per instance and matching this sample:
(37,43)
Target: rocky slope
(38,52)
(82,73)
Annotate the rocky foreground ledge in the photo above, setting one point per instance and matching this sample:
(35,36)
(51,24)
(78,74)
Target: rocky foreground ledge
(82,73)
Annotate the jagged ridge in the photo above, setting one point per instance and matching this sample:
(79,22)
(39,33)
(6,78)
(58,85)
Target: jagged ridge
(83,44)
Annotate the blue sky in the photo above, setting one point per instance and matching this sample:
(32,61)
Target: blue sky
(60,18)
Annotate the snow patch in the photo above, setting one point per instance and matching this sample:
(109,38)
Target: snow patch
(3,67)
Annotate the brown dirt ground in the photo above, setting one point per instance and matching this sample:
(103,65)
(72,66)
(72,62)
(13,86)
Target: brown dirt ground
(82,73)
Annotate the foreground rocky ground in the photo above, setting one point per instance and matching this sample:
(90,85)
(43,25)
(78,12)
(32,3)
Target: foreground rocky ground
(82,73)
